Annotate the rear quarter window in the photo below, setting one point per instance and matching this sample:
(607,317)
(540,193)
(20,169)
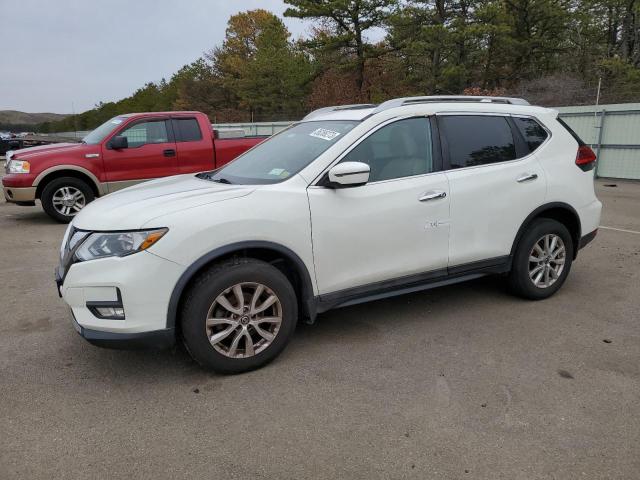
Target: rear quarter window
(533,133)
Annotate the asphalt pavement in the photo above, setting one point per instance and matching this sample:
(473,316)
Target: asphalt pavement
(457,382)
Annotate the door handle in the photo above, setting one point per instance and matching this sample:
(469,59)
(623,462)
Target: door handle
(431,195)
(169,152)
(527,177)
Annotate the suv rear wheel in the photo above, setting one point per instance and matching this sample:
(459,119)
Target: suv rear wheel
(542,260)
(62,198)
(238,315)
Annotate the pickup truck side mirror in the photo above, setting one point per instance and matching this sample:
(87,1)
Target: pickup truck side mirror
(348,174)
(118,143)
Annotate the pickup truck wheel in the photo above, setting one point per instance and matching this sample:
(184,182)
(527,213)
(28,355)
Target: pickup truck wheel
(238,315)
(63,198)
(542,260)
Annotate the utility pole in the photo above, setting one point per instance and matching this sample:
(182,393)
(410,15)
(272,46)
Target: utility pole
(600,127)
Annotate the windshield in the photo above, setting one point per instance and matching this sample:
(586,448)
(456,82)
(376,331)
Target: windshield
(102,131)
(284,154)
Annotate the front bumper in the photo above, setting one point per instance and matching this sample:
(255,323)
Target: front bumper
(19,194)
(142,282)
(157,339)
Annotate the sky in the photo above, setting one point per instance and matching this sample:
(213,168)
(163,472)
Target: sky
(65,56)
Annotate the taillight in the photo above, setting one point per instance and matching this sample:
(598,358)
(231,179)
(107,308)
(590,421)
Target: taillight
(586,158)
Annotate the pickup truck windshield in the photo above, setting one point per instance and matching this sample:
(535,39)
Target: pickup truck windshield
(284,154)
(102,131)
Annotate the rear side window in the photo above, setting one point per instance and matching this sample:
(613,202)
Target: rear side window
(477,139)
(532,132)
(187,130)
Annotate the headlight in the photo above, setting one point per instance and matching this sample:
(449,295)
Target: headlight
(18,166)
(117,244)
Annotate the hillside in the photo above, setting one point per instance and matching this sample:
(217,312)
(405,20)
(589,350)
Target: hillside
(13,117)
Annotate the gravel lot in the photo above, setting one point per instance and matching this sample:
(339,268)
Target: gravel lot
(458,382)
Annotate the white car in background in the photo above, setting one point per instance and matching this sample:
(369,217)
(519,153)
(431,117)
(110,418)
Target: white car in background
(353,203)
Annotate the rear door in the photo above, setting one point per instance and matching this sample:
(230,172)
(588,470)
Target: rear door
(195,147)
(151,154)
(495,183)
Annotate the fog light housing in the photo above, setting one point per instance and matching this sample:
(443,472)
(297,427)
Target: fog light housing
(108,310)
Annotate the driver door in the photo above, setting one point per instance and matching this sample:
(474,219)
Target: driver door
(151,154)
(393,229)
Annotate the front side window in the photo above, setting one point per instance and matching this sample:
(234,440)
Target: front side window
(143,133)
(284,154)
(477,139)
(532,132)
(401,149)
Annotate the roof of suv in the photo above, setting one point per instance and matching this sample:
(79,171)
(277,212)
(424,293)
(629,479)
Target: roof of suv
(438,103)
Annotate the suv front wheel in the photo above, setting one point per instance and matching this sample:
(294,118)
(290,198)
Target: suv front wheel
(238,315)
(542,260)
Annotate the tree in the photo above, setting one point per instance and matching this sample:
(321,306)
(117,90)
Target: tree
(348,20)
(258,66)
(550,51)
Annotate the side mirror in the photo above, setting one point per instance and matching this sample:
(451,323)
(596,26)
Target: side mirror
(118,143)
(348,174)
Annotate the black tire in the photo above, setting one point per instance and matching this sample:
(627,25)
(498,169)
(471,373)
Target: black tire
(50,189)
(206,289)
(520,282)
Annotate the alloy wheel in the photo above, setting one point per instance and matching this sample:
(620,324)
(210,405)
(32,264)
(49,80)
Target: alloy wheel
(547,260)
(244,320)
(68,201)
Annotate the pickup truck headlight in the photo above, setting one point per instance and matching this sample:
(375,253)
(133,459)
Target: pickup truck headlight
(117,244)
(18,166)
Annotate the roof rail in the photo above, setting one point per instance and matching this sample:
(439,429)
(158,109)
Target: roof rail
(355,106)
(398,102)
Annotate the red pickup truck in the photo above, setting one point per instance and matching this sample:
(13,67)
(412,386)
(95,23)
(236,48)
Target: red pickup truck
(123,151)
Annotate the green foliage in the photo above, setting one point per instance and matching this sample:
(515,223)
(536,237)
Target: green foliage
(346,22)
(553,51)
(259,67)
(153,97)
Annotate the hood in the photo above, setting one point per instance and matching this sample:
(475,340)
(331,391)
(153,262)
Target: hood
(33,153)
(133,207)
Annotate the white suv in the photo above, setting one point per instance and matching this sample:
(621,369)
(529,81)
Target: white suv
(353,203)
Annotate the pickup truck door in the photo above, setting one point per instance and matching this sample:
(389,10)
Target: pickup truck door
(151,154)
(195,147)
(393,229)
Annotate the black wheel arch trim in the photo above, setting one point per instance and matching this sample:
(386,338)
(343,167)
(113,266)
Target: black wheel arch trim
(307,301)
(538,212)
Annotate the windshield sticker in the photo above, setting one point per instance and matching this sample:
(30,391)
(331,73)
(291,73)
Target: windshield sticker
(276,172)
(324,134)
(116,121)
